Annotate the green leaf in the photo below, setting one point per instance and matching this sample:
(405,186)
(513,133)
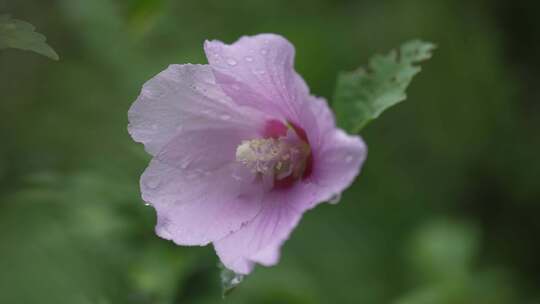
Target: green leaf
(362,95)
(20,34)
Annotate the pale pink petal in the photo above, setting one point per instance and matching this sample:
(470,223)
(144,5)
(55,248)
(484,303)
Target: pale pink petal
(194,182)
(337,163)
(258,72)
(337,156)
(261,239)
(198,206)
(206,149)
(182,97)
(317,120)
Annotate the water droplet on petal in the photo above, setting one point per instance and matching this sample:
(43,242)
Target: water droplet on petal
(264,51)
(152,94)
(147,204)
(248,58)
(348,159)
(236,176)
(185,163)
(258,71)
(335,199)
(231,62)
(225,117)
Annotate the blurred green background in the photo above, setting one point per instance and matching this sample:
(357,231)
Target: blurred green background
(445,210)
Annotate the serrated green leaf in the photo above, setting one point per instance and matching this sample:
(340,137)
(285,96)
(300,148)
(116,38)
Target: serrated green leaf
(362,95)
(20,34)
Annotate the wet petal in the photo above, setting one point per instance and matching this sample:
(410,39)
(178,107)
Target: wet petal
(182,97)
(260,240)
(196,207)
(337,163)
(317,120)
(258,72)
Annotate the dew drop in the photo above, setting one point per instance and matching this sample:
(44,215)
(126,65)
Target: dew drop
(147,204)
(237,279)
(225,117)
(248,58)
(236,177)
(348,159)
(335,199)
(231,62)
(185,163)
(229,280)
(258,72)
(264,51)
(152,94)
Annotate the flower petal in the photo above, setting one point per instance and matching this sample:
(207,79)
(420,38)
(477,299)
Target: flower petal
(258,72)
(192,128)
(198,207)
(260,240)
(317,120)
(182,97)
(337,156)
(337,163)
(206,149)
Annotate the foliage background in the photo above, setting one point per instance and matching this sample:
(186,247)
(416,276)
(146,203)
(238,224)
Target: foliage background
(445,210)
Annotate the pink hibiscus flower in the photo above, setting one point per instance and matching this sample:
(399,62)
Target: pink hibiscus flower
(240,150)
